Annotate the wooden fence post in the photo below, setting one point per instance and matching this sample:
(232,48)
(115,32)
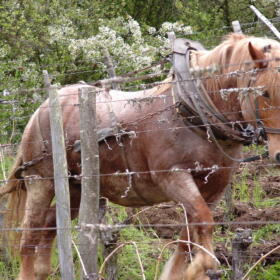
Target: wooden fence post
(109,238)
(89,209)
(171,38)
(63,220)
(110,68)
(266,21)
(236,27)
(240,244)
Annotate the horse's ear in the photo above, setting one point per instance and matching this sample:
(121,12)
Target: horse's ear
(258,56)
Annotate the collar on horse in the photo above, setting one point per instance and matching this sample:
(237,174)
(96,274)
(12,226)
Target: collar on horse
(195,105)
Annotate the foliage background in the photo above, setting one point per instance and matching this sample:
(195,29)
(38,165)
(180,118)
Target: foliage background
(66,38)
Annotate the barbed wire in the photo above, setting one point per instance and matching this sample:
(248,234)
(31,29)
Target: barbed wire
(140,242)
(141,87)
(106,227)
(249,255)
(154,130)
(214,168)
(222,66)
(136,102)
(112,207)
(149,98)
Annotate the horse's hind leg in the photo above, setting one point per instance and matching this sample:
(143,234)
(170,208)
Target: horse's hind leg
(40,193)
(181,187)
(42,264)
(44,249)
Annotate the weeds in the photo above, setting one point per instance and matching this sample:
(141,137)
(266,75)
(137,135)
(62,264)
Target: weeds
(271,272)
(247,188)
(240,186)
(266,233)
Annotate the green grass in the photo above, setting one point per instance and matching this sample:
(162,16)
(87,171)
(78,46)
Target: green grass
(266,233)
(9,269)
(240,186)
(258,194)
(271,272)
(149,244)
(149,249)
(254,194)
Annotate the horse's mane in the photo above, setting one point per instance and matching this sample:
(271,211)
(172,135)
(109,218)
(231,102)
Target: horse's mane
(233,54)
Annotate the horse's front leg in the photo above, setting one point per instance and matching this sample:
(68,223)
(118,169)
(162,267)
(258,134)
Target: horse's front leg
(181,188)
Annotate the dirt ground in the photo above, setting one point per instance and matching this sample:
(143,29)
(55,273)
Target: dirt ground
(169,214)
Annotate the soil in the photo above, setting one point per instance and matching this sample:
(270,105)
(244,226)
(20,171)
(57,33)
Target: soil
(170,214)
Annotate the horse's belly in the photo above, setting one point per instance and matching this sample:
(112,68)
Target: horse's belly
(127,190)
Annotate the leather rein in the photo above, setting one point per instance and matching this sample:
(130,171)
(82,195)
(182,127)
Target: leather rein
(196,107)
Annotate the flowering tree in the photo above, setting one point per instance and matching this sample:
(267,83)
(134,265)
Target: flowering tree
(69,40)
(124,39)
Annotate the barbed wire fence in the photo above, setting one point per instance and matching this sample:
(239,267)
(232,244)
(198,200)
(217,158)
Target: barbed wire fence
(88,226)
(207,169)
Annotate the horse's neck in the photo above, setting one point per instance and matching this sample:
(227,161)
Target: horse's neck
(229,107)
(228,104)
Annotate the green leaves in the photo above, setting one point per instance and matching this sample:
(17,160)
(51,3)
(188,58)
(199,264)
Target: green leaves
(67,39)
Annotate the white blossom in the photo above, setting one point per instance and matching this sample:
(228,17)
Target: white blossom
(6,92)
(126,44)
(187,30)
(152,30)
(175,27)
(136,54)
(61,32)
(4,50)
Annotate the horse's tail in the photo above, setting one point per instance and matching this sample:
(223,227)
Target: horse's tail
(12,181)
(15,207)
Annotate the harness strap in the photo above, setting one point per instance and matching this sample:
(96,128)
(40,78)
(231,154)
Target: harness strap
(187,87)
(28,164)
(118,129)
(189,91)
(257,157)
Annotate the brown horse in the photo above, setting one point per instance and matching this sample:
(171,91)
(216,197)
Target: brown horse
(168,153)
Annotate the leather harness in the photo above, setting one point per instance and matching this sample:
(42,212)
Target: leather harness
(194,101)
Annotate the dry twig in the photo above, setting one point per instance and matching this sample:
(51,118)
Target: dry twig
(261,259)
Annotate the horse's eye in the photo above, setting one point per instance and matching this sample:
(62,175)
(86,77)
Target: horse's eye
(265,94)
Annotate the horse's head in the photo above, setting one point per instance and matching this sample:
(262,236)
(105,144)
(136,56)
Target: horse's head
(263,107)
(258,63)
